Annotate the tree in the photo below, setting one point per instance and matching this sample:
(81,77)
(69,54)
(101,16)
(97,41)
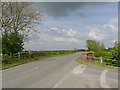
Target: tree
(13,43)
(114,51)
(94,45)
(19,17)
(114,54)
(102,47)
(17,20)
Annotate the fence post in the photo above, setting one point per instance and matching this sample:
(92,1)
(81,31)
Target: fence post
(10,54)
(19,55)
(30,53)
(1,54)
(101,60)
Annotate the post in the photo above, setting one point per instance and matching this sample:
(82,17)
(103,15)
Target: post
(19,55)
(1,54)
(30,53)
(10,54)
(101,60)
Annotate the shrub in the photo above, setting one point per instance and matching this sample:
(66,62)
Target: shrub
(7,59)
(12,43)
(100,53)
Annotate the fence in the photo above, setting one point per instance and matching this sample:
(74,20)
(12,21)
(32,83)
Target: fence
(8,58)
(23,54)
(101,60)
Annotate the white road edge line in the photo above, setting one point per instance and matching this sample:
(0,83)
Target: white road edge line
(103,82)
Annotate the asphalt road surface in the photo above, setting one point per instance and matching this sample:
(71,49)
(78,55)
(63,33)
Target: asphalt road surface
(59,72)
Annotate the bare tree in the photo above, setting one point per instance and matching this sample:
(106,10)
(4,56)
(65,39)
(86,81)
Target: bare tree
(19,17)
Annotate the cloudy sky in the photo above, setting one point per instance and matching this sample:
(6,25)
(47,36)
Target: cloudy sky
(67,25)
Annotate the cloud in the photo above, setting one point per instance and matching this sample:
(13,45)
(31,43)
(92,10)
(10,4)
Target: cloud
(100,32)
(96,35)
(73,40)
(107,33)
(82,15)
(60,9)
(114,21)
(71,33)
(110,27)
(55,38)
(61,38)
(54,29)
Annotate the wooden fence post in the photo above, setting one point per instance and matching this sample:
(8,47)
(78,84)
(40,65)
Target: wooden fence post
(10,54)
(1,57)
(1,54)
(19,55)
(30,53)
(101,60)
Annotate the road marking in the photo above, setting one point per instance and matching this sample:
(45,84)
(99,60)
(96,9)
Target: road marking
(79,69)
(103,82)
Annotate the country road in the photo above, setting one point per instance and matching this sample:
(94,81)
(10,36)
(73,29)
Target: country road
(59,72)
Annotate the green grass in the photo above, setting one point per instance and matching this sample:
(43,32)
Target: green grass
(56,53)
(16,61)
(64,54)
(95,64)
(0,65)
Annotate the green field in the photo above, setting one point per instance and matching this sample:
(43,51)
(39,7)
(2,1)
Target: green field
(56,53)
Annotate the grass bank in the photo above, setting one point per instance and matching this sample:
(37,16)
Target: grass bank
(96,64)
(15,61)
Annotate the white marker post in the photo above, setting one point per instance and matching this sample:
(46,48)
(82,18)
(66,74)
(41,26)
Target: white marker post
(101,60)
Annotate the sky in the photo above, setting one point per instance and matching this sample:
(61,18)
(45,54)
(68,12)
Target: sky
(67,25)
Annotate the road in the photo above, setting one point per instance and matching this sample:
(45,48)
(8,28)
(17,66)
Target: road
(59,72)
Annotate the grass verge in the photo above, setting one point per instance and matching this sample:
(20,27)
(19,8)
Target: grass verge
(17,61)
(96,64)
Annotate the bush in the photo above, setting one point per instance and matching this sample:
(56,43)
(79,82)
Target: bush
(12,43)
(7,59)
(100,54)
